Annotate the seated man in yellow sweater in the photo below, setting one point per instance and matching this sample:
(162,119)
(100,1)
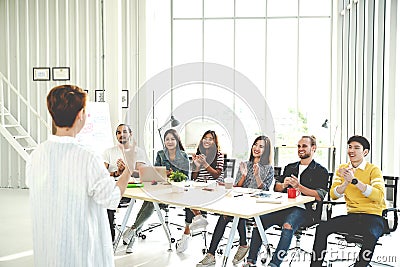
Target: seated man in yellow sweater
(361,183)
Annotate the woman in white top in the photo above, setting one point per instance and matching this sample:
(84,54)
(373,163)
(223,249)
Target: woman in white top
(70,190)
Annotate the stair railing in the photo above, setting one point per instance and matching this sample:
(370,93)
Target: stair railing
(21,98)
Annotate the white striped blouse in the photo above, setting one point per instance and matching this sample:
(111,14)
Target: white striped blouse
(70,190)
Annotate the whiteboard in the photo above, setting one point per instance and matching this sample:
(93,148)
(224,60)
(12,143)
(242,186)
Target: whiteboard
(97,132)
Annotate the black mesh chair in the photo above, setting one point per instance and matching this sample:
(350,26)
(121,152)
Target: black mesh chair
(390,216)
(277,171)
(151,226)
(229,167)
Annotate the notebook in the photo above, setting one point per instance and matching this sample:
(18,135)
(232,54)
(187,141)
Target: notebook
(153,173)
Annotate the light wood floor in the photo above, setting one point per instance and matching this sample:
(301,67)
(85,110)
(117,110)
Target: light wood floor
(16,240)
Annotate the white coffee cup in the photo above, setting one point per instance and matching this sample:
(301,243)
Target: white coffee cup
(228,182)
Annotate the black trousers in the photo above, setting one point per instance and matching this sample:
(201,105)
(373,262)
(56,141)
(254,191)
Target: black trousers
(111,220)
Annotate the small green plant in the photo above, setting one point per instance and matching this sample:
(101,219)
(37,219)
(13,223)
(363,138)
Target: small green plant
(177,176)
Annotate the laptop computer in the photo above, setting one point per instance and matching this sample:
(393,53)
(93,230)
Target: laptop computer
(153,173)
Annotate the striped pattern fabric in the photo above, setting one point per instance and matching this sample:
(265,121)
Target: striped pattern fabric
(70,190)
(205,175)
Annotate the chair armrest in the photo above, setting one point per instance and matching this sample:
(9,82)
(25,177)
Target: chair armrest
(385,215)
(328,204)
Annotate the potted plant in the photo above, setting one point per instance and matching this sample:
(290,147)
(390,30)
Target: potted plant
(175,178)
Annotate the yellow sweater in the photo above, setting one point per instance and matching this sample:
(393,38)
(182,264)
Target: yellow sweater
(356,201)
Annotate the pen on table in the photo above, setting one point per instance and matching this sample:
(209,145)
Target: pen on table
(238,195)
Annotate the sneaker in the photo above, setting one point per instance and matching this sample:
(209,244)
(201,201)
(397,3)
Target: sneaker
(198,222)
(129,248)
(127,235)
(182,243)
(240,254)
(207,261)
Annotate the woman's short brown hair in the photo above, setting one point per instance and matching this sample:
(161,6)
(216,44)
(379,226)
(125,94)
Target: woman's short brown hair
(64,103)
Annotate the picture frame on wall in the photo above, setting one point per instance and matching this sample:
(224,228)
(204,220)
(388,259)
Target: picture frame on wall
(125,99)
(41,74)
(61,73)
(99,96)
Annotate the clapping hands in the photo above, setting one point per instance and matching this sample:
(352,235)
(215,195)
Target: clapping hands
(120,165)
(130,158)
(293,181)
(199,160)
(347,173)
(243,168)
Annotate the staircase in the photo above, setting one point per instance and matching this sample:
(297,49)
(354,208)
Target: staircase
(16,135)
(12,130)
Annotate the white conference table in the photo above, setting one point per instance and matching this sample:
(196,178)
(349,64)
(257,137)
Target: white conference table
(237,202)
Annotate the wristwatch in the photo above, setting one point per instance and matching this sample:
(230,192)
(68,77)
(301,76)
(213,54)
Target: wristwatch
(354,181)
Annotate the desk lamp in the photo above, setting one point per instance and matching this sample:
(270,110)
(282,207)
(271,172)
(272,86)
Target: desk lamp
(174,122)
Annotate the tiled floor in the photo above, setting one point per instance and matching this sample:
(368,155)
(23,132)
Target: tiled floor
(16,241)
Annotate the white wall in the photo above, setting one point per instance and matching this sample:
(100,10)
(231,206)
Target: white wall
(67,33)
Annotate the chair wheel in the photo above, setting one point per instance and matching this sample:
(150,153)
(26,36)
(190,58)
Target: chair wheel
(263,260)
(123,242)
(204,251)
(143,236)
(220,251)
(172,240)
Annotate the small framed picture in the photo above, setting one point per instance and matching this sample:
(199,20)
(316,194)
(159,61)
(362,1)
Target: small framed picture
(99,95)
(41,74)
(125,98)
(61,74)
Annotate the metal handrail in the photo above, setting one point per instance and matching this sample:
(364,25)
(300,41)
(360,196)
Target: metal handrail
(20,97)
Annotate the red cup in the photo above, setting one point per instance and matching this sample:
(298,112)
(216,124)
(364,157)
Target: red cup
(292,192)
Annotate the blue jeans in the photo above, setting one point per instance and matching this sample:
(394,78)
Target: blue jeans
(220,229)
(368,225)
(294,216)
(144,213)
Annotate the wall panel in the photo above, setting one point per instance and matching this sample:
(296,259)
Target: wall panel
(44,33)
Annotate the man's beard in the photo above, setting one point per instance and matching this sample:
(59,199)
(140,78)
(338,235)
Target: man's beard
(305,156)
(123,141)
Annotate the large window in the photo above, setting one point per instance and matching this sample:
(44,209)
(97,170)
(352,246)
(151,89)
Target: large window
(281,47)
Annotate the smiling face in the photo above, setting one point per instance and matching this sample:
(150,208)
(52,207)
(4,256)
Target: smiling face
(305,149)
(356,153)
(258,148)
(208,141)
(170,141)
(123,134)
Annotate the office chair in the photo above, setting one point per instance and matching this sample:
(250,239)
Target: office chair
(229,167)
(277,171)
(390,216)
(151,226)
